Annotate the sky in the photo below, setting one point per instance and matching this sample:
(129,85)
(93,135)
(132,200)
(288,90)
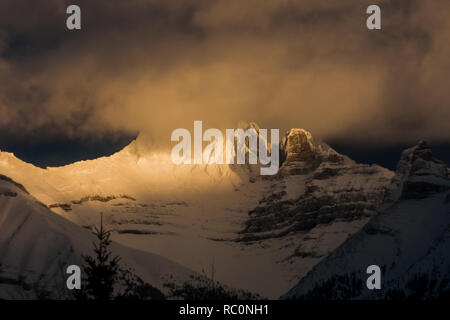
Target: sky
(156,65)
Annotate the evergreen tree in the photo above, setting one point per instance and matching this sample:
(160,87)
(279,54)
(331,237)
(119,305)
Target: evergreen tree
(102,270)
(106,280)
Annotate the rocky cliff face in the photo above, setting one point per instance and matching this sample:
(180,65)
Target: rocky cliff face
(409,240)
(329,187)
(298,152)
(419,174)
(318,199)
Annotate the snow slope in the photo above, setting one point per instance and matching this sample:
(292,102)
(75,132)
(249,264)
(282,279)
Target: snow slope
(37,245)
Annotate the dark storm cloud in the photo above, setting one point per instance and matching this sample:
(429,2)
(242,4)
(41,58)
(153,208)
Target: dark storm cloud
(158,65)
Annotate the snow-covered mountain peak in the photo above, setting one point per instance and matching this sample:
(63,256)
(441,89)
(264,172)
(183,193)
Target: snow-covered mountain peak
(420,174)
(299,145)
(302,154)
(419,159)
(319,198)
(248,125)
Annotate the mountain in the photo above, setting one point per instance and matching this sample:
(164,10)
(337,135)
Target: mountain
(318,200)
(409,239)
(316,186)
(37,246)
(219,218)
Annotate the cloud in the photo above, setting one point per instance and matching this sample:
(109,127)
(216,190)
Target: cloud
(158,65)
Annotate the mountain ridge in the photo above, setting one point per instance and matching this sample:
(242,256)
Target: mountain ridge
(274,228)
(409,239)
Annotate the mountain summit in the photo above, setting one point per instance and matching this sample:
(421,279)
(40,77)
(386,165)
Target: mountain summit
(420,174)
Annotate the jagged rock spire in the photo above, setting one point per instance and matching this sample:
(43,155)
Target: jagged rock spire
(420,174)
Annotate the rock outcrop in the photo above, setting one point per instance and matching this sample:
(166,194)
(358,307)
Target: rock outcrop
(420,174)
(332,188)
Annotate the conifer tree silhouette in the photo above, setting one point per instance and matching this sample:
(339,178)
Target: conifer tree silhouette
(102,270)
